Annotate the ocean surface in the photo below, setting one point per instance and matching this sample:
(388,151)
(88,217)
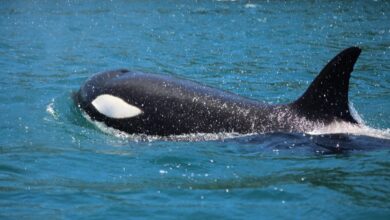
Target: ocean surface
(55,164)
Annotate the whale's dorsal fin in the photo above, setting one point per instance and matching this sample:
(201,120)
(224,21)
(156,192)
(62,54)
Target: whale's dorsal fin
(326,99)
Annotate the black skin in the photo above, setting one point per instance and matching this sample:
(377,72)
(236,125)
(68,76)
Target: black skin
(172,106)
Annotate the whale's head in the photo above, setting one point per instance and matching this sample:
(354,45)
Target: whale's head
(105,97)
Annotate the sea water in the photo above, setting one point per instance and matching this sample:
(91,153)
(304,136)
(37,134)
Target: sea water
(56,164)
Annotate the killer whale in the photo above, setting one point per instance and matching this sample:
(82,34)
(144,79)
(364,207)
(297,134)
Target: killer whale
(144,103)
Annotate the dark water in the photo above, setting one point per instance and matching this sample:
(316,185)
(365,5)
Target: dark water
(56,164)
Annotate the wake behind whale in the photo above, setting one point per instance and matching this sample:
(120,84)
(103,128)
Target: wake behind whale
(144,103)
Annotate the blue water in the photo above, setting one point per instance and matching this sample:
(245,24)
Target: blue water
(55,164)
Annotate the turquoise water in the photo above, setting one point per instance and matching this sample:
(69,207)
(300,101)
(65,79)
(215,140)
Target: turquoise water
(56,164)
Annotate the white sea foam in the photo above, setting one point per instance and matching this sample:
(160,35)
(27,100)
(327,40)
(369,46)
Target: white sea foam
(354,129)
(250,5)
(50,109)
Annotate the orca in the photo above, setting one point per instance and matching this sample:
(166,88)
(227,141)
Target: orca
(144,103)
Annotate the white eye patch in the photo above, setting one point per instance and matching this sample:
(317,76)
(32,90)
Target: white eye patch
(114,107)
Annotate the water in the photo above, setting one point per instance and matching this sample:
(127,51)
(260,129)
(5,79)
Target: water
(56,164)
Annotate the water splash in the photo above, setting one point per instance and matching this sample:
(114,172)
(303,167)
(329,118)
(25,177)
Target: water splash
(353,129)
(50,109)
(250,5)
(361,129)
